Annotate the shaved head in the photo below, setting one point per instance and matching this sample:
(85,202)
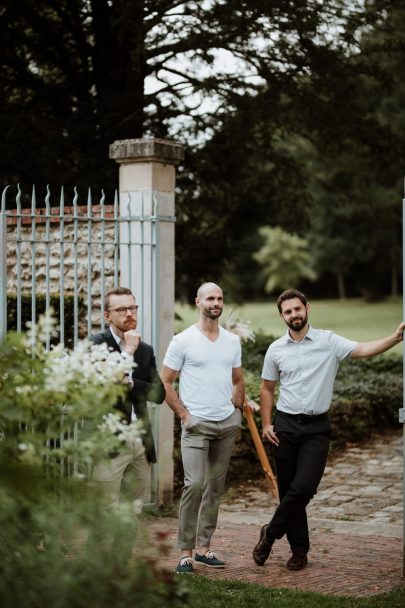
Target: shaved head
(206,287)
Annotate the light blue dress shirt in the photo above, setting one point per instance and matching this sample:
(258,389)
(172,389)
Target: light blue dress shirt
(306,370)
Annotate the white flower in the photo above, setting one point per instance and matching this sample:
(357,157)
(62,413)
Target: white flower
(137,505)
(28,452)
(115,424)
(42,331)
(26,389)
(86,364)
(240,328)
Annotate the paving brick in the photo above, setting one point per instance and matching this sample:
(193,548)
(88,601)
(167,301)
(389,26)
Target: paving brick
(356,544)
(338,564)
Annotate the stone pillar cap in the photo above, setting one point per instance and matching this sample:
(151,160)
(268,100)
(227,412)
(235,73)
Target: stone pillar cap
(146,149)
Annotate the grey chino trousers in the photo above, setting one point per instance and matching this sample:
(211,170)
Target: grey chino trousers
(206,448)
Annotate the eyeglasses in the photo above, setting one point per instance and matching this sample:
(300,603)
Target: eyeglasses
(123,310)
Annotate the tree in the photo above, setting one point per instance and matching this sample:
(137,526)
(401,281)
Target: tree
(356,182)
(78,74)
(285,259)
(318,155)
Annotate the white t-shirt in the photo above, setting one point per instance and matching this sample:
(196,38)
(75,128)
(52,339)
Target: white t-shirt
(205,371)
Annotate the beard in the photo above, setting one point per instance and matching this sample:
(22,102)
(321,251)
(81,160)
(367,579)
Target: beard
(213,313)
(297,324)
(128,324)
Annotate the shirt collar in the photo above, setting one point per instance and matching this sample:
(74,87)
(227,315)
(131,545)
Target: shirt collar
(118,340)
(310,335)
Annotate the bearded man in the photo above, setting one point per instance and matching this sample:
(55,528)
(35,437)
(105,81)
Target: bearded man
(208,359)
(304,361)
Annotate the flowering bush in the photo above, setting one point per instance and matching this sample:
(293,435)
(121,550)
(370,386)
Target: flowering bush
(45,394)
(240,328)
(56,410)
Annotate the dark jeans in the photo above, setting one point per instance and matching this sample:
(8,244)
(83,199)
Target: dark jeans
(300,461)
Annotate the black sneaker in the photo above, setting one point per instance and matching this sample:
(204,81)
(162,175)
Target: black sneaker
(185,565)
(209,559)
(263,548)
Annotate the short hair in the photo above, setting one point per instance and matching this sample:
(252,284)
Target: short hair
(116,291)
(289,294)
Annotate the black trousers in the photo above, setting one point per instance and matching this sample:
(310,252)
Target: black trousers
(300,462)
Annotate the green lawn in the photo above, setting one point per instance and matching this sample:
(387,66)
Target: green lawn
(200,592)
(351,318)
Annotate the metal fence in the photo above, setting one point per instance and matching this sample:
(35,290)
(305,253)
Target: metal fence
(68,254)
(77,251)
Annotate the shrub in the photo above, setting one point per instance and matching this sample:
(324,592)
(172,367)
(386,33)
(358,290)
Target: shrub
(40,306)
(53,529)
(367,397)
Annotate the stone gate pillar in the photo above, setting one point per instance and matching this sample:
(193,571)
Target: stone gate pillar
(147,178)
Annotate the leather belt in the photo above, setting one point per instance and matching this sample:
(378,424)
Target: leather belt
(304,418)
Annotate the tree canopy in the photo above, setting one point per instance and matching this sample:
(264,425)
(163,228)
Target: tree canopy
(292,113)
(78,74)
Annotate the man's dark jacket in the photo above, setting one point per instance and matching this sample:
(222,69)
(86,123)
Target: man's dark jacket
(147,387)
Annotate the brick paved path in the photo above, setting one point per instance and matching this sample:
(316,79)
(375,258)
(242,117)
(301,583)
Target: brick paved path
(355,523)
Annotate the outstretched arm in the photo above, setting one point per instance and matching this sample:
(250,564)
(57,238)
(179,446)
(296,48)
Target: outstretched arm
(376,347)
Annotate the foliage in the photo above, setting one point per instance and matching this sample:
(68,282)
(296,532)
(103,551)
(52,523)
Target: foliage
(93,72)
(316,152)
(40,307)
(53,527)
(293,116)
(253,352)
(36,534)
(44,393)
(239,328)
(285,259)
(366,398)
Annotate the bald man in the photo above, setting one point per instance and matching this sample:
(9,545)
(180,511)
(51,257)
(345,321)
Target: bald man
(210,401)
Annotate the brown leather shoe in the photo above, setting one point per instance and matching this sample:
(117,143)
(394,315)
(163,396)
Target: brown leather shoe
(263,548)
(298,560)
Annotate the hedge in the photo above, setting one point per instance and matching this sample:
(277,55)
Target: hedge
(40,304)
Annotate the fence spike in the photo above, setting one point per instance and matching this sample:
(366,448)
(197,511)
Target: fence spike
(47,199)
(33,200)
(62,201)
(75,199)
(89,202)
(3,199)
(18,199)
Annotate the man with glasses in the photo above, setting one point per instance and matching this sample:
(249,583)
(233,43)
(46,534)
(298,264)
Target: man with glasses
(129,471)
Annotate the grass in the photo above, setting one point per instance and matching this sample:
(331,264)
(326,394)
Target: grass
(352,318)
(234,594)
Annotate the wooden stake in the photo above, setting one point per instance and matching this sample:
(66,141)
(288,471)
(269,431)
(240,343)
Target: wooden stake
(260,448)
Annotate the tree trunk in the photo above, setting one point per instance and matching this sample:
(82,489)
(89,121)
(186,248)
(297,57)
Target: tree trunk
(119,67)
(394,281)
(341,284)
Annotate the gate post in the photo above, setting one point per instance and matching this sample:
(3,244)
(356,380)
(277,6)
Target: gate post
(147,179)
